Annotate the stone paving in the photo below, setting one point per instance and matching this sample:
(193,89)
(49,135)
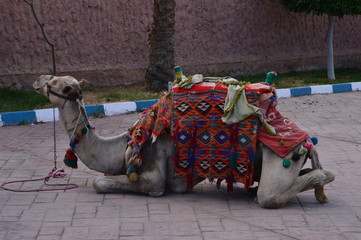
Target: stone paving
(205,213)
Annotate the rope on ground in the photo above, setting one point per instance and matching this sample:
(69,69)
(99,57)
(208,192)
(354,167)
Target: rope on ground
(55,173)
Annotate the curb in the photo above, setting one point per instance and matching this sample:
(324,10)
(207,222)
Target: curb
(111,109)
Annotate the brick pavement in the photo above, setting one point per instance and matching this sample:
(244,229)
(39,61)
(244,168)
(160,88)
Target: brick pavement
(205,213)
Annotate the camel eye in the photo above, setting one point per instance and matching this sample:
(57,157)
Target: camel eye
(66,90)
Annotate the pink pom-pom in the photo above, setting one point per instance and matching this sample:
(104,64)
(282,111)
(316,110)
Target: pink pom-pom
(308,146)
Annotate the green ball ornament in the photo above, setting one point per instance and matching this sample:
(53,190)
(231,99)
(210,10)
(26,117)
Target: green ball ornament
(286,163)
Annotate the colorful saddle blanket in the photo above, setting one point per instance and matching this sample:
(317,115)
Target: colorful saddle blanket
(203,145)
(206,147)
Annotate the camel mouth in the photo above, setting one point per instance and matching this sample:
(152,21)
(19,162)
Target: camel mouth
(37,88)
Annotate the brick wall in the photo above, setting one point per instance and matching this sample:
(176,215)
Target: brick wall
(105,41)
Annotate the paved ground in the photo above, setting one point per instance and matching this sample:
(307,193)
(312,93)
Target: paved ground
(204,213)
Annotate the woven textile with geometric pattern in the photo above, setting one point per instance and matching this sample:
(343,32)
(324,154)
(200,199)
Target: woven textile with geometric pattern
(203,145)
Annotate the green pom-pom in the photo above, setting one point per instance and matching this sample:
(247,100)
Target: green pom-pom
(286,163)
(131,169)
(70,163)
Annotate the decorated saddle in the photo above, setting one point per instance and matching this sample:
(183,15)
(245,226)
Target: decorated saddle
(207,143)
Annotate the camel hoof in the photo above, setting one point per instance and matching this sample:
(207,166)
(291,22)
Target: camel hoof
(320,195)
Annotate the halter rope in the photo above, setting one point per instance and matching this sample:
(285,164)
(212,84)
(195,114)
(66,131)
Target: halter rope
(55,173)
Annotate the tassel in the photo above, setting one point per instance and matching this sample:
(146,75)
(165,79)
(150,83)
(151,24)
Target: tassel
(190,179)
(70,159)
(132,172)
(233,164)
(251,155)
(230,183)
(247,183)
(219,181)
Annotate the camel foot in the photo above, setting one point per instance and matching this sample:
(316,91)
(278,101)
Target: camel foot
(320,195)
(103,185)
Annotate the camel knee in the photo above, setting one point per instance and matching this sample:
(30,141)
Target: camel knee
(330,177)
(104,184)
(321,177)
(273,201)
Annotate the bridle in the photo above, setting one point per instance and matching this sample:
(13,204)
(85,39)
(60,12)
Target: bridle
(77,99)
(63,96)
(70,98)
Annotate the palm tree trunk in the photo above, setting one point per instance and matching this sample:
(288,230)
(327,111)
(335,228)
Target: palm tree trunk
(330,63)
(161,56)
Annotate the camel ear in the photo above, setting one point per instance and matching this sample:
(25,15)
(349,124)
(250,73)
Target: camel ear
(82,83)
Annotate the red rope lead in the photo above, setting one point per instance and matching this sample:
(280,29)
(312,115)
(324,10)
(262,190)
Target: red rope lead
(55,173)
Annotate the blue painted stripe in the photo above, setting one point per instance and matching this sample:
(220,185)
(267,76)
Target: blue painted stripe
(94,109)
(342,87)
(301,91)
(144,104)
(15,118)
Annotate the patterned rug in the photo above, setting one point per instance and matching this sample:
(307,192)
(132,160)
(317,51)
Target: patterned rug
(154,121)
(204,146)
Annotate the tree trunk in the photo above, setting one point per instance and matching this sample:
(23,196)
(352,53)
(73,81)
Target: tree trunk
(161,56)
(330,64)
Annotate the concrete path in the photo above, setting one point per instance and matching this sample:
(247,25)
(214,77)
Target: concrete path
(205,213)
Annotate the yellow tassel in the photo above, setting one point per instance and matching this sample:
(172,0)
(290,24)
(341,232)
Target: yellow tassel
(133,177)
(78,132)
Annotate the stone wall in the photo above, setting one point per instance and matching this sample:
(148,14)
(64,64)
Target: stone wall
(105,41)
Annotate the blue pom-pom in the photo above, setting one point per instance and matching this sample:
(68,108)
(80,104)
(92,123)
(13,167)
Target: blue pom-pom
(72,144)
(314,140)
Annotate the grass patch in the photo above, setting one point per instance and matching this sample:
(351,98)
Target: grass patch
(118,94)
(16,100)
(311,78)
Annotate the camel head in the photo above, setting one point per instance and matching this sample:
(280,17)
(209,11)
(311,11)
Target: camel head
(59,88)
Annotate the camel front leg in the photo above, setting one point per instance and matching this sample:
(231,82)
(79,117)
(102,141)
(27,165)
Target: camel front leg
(312,180)
(152,175)
(279,183)
(148,182)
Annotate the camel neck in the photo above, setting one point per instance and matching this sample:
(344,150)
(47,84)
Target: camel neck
(101,154)
(73,117)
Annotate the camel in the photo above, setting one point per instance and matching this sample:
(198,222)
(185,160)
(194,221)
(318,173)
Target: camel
(276,184)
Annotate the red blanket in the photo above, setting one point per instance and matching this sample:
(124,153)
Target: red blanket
(289,135)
